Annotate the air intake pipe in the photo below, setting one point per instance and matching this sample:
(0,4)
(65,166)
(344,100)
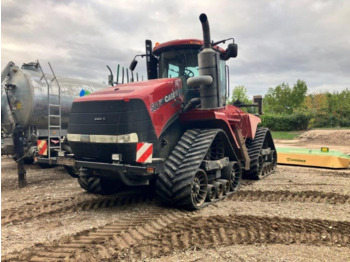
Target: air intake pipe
(208,62)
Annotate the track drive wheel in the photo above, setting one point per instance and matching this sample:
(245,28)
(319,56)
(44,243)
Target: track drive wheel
(96,184)
(262,153)
(184,183)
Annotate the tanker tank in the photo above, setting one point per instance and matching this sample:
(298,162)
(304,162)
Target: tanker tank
(24,101)
(27,96)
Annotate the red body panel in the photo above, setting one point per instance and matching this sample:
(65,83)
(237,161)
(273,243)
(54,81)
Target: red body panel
(162,97)
(233,117)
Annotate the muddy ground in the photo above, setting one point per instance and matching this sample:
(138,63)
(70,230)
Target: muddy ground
(294,214)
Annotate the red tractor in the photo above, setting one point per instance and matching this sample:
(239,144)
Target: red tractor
(174,131)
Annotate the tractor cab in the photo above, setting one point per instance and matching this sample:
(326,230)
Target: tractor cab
(179,59)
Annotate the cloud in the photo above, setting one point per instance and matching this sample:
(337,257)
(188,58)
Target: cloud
(279,41)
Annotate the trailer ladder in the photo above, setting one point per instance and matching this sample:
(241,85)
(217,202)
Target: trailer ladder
(54,113)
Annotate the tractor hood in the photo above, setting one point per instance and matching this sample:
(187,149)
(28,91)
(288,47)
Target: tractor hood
(162,98)
(151,90)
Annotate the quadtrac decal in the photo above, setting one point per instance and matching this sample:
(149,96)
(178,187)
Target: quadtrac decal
(166,99)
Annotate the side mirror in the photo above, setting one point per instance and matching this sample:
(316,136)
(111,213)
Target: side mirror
(133,64)
(232,50)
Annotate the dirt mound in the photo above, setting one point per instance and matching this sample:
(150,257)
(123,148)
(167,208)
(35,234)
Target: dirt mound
(330,137)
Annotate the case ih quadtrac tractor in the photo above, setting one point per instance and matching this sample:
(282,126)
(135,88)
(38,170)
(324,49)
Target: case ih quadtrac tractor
(174,131)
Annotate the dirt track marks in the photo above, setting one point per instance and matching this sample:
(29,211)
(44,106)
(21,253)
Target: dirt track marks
(101,243)
(158,233)
(90,202)
(74,203)
(285,195)
(207,232)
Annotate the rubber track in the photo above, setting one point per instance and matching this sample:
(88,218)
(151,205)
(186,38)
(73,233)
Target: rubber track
(75,203)
(113,237)
(208,232)
(289,196)
(254,147)
(174,184)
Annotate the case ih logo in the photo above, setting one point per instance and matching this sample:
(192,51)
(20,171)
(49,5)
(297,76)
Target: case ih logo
(156,105)
(100,118)
(144,152)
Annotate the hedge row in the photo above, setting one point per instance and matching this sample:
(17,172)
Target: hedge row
(296,121)
(329,120)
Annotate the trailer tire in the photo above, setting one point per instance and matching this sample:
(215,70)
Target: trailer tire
(73,171)
(98,185)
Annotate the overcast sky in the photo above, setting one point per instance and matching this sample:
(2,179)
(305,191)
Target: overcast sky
(279,41)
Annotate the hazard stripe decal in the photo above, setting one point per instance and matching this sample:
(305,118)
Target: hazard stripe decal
(42,147)
(144,152)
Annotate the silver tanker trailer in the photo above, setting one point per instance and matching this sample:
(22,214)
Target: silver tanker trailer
(40,104)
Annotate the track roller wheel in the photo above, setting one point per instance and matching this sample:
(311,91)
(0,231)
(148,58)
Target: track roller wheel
(184,181)
(274,160)
(199,188)
(219,189)
(226,185)
(233,173)
(211,196)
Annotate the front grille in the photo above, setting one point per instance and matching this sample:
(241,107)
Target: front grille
(115,117)
(111,118)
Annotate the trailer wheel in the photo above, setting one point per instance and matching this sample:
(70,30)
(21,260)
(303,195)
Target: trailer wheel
(73,171)
(96,184)
(28,160)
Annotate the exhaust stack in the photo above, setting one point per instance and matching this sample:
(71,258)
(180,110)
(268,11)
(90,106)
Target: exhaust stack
(206,30)
(208,79)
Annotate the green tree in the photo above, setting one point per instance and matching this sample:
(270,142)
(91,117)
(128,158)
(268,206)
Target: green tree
(239,93)
(277,100)
(239,96)
(298,94)
(285,100)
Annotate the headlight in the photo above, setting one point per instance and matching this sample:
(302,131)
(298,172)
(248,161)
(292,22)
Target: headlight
(108,139)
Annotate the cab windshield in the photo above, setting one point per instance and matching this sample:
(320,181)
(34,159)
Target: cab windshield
(178,62)
(181,63)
